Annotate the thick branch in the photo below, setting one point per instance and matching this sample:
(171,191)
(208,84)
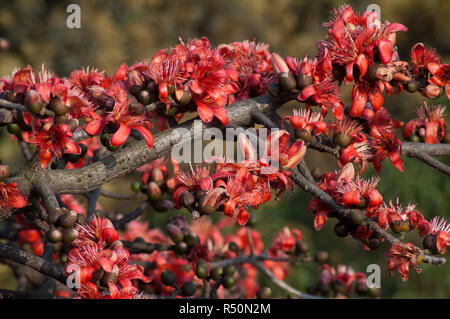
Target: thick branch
(30,260)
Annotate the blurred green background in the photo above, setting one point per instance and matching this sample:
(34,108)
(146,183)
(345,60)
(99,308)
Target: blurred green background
(113,32)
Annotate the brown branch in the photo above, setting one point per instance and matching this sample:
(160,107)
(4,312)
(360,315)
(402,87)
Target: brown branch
(431,161)
(410,149)
(120,196)
(40,264)
(131,216)
(12,106)
(132,156)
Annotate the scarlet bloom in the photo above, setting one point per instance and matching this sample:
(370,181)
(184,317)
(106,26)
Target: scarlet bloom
(441,76)
(430,124)
(10,196)
(306,119)
(277,147)
(360,192)
(285,240)
(400,256)
(364,91)
(52,140)
(358,153)
(441,229)
(421,57)
(386,144)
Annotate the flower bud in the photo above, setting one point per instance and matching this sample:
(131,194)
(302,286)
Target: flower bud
(287,81)
(228,282)
(304,135)
(154,192)
(58,107)
(429,242)
(412,86)
(4,172)
(191,240)
(68,219)
(321,256)
(216,273)
(317,173)
(264,293)
(163,205)
(144,97)
(229,270)
(373,243)
(304,81)
(341,230)
(157,176)
(54,235)
(188,288)
(69,235)
(181,248)
(184,97)
(168,278)
(201,271)
(342,139)
(13,129)
(431,91)
(33,102)
(175,233)
(187,199)
(54,215)
(301,247)
(135,82)
(233,247)
(136,186)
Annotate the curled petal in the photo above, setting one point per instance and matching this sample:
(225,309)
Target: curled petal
(386,50)
(148,137)
(121,135)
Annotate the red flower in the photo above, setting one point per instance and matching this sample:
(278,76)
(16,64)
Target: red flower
(360,192)
(400,256)
(430,124)
(421,57)
(305,119)
(385,143)
(358,153)
(285,240)
(441,76)
(364,91)
(52,140)
(441,228)
(10,196)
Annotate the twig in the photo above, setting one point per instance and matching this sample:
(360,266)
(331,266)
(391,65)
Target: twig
(431,161)
(120,196)
(118,224)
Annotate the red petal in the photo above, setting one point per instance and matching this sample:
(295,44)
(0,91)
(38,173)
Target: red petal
(431,132)
(359,101)
(148,137)
(386,51)
(306,93)
(94,127)
(44,90)
(362,64)
(205,113)
(351,198)
(242,217)
(320,219)
(376,99)
(121,135)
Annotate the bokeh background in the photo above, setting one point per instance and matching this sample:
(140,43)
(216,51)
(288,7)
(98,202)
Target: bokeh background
(113,32)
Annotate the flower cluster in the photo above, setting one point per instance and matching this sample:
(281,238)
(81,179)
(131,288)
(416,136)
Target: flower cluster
(101,262)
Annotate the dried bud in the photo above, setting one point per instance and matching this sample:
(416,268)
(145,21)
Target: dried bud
(33,102)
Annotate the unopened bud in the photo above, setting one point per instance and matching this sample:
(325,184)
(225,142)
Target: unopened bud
(287,81)
(175,233)
(68,219)
(33,102)
(69,235)
(157,176)
(154,192)
(342,139)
